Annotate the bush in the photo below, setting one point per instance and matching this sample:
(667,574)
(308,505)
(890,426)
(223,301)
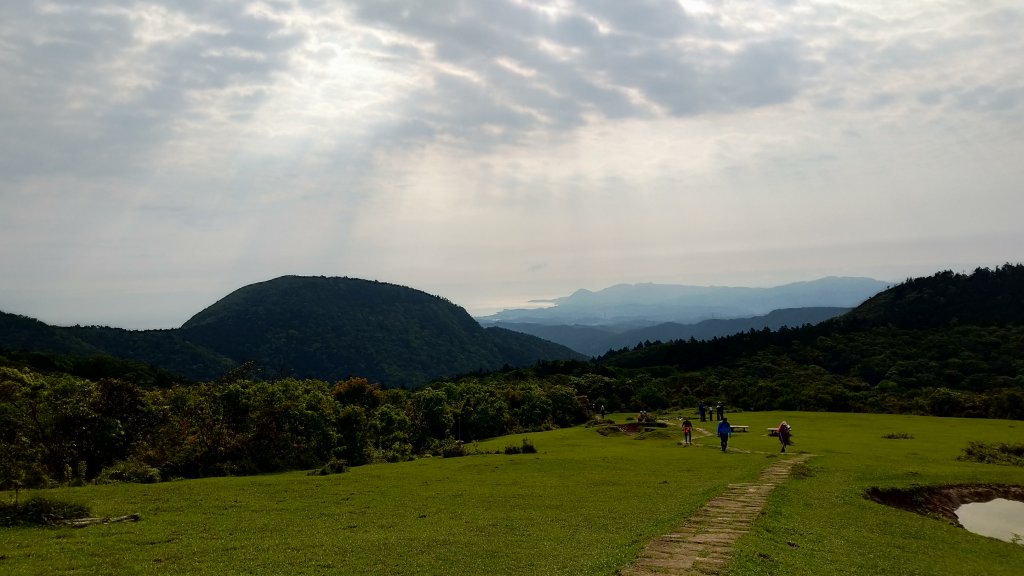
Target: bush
(527,447)
(451,448)
(40,511)
(129,471)
(994,453)
(334,466)
(898,436)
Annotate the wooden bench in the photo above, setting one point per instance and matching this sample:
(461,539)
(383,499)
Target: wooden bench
(740,428)
(775,431)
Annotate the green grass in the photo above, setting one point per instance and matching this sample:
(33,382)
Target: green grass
(584,504)
(822,524)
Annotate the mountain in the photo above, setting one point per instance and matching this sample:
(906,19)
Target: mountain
(945,345)
(306,327)
(641,305)
(596,340)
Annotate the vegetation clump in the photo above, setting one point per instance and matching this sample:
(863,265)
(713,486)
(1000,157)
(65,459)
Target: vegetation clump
(334,466)
(898,436)
(40,511)
(994,453)
(527,447)
(131,470)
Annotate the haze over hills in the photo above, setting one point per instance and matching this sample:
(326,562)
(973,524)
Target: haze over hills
(648,304)
(627,314)
(306,327)
(597,340)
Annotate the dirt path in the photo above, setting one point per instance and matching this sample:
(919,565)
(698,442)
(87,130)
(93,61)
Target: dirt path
(703,546)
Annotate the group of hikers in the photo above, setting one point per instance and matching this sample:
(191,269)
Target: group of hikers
(712,413)
(716,412)
(724,431)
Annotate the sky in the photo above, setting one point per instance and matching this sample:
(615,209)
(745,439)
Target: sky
(155,156)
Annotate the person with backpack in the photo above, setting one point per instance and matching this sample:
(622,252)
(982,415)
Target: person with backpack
(784,433)
(687,432)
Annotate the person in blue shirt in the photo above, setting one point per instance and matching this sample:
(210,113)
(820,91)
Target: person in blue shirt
(724,431)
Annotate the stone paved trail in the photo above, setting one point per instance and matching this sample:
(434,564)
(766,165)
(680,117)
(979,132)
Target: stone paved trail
(703,547)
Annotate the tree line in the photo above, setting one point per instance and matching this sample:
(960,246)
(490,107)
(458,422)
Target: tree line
(60,428)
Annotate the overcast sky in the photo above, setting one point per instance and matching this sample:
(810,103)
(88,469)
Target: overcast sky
(155,156)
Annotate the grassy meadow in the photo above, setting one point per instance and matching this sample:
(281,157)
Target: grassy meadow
(584,504)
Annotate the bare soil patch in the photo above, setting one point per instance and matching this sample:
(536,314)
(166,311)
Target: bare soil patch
(942,501)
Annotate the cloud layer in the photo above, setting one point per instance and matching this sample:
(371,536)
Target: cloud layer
(155,155)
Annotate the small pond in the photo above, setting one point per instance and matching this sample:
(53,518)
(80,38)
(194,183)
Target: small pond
(999,518)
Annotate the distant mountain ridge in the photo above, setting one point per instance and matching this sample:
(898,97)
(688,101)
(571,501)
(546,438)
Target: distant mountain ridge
(597,340)
(649,304)
(306,327)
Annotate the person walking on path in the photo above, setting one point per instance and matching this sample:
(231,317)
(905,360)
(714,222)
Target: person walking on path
(784,433)
(700,410)
(687,432)
(724,431)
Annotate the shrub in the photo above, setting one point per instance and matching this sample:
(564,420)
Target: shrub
(333,466)
(129,471)
(527,447)
(397,452)
(994,453)
(898,436)
(451,448)
(41,511)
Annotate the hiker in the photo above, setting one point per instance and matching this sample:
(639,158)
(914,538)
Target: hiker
(724,431)
(700,410)
(687,432)
(721,411)
(784,433)
(602,411)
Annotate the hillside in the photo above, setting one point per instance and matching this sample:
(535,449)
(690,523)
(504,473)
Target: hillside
(334,328)
(306,327)
(945,345)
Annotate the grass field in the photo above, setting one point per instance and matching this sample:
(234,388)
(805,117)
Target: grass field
(584,504)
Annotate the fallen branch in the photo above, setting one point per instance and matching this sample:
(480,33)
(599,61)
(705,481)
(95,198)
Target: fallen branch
(83,522)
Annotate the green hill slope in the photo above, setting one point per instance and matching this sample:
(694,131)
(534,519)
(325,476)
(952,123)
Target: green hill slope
(307,327)
(945,345)
(333,328)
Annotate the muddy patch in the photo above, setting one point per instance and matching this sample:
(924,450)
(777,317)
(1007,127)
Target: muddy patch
(943,501)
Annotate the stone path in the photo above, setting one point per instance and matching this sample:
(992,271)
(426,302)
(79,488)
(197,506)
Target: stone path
(703,546)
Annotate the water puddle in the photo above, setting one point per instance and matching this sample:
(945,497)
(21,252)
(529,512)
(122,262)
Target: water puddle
(999,518)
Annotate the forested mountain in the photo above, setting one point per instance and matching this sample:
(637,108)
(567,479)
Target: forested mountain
(949,345)
(597,340)
(307,327)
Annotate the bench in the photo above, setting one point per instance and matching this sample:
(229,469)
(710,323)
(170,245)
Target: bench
(740,428)
(775,431)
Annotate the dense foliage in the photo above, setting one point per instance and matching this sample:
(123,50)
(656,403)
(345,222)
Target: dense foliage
(58,428)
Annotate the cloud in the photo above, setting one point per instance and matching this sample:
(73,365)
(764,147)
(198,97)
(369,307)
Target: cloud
(505,69)
(196,145)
